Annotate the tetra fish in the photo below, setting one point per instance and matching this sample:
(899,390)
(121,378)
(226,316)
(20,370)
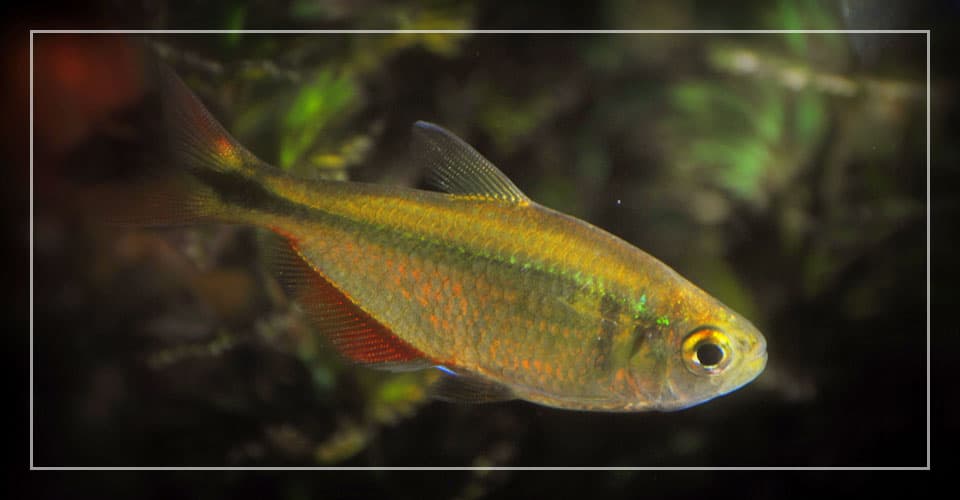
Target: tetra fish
(510,299)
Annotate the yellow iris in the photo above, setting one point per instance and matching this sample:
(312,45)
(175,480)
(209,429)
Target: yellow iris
(707,351)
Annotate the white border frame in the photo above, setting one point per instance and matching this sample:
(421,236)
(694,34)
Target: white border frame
(481,32)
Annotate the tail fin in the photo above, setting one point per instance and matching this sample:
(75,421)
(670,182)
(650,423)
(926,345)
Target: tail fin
(197,140)
(172,200)
(199,154)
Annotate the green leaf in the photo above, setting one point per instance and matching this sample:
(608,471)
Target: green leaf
(319,101)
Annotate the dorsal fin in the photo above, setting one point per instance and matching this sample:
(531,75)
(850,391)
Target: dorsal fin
(353,332)
(457,168)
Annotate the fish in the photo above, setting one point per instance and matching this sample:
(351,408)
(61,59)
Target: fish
(508,299)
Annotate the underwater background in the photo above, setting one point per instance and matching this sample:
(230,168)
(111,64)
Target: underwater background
(785,174)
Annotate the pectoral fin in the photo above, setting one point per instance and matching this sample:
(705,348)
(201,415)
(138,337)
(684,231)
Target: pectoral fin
(466,388)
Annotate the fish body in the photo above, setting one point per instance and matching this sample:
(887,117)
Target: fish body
(509,298)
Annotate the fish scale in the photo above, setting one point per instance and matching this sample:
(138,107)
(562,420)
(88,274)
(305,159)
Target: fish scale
(456,327)
(405,283)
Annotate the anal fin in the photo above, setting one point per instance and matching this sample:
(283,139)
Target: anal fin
(354,333)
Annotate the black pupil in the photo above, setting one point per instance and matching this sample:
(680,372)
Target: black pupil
(709,354)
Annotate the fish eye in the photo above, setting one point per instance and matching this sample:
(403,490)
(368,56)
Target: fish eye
(709,354)
(706,351)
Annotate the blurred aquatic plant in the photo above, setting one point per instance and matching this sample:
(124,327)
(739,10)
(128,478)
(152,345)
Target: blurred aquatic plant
(484,480)
(168,356)
(821,95)
(754,135)
(746,139)
(509,119)
(304,101)
(389,398)
(808,15)
(321,100)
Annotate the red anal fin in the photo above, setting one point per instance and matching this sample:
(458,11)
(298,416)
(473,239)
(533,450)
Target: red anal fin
(354,333)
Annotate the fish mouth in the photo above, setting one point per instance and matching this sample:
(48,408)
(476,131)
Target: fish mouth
(761,347)
(758,355)
(755,362)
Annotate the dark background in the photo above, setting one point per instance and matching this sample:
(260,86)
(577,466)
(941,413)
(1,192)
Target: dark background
(803,208)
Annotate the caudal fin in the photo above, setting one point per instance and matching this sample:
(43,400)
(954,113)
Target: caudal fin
(196,140)
(171,200)
(199,161)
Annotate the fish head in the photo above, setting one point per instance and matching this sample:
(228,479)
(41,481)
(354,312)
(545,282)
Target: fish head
(707,350)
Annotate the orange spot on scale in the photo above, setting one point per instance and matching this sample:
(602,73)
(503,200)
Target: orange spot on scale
(526,364)
(435,321)
(537,365)
(547,368)
(457,298)
(445,304)
(619,376)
